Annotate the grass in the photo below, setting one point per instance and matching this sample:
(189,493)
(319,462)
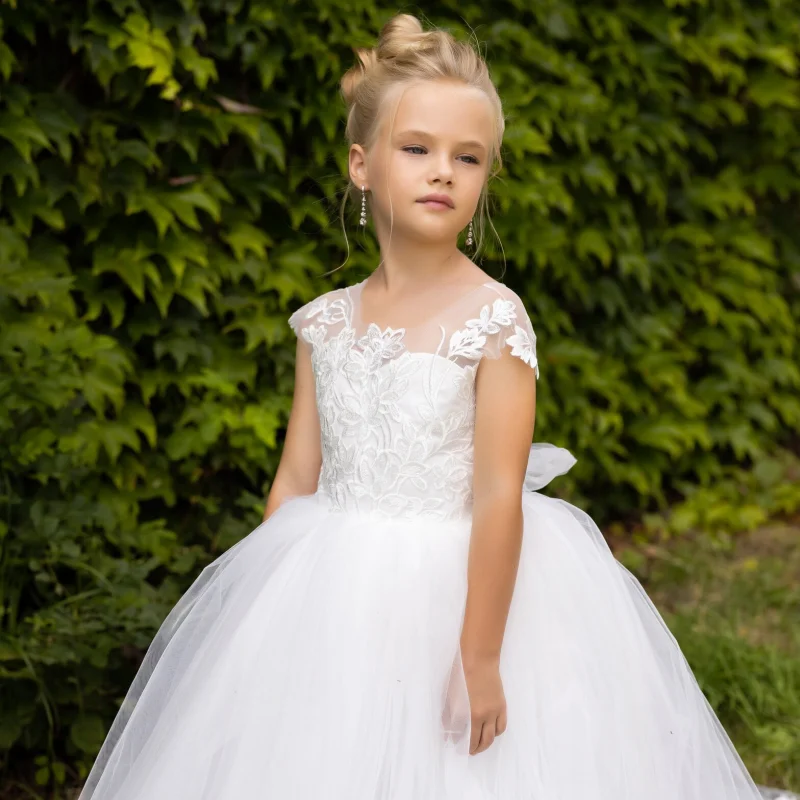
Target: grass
(734,606)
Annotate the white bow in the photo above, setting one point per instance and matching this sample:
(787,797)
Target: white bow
(545,462)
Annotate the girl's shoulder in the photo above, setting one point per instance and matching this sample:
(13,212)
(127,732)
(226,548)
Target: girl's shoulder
(502,321)
(496,299)
(495,289)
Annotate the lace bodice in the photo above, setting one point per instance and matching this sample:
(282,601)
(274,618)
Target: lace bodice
(397,406)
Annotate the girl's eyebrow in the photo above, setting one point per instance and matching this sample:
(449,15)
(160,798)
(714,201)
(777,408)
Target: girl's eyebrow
(423,134)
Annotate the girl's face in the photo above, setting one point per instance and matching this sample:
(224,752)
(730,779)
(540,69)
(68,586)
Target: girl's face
(438,143)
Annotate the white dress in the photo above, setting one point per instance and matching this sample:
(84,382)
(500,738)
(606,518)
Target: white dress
(318,658)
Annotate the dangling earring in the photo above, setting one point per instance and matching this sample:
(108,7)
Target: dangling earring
(470,238)
(363,221)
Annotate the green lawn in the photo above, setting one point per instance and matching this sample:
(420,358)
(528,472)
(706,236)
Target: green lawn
(734,606)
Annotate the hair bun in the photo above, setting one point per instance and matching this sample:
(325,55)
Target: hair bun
(401,34)
(367,58)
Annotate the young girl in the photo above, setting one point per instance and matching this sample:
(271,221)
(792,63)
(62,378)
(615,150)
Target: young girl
(413,620)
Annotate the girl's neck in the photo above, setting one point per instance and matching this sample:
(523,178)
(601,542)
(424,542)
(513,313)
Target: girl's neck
(419,265)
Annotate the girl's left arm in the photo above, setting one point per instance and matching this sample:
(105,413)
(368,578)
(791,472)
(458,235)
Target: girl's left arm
(504,421)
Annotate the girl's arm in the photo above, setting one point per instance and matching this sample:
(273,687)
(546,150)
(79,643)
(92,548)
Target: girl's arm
(504,420)
(505,413)
(298,471)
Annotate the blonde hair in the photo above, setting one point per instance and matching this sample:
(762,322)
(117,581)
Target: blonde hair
(406,54)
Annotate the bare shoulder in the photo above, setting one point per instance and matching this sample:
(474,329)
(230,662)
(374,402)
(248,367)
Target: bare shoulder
(503,299)
(499,289)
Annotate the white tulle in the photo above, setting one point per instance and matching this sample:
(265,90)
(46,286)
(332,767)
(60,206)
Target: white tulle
(319,659)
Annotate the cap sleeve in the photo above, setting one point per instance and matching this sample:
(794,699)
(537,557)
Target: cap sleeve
(303,320)
(510,328)
(298,319)
(319,315)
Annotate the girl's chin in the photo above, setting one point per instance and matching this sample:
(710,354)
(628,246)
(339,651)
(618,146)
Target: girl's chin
(437,222)
(428,227)
(435,238)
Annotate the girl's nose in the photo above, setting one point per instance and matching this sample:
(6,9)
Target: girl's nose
(444,169)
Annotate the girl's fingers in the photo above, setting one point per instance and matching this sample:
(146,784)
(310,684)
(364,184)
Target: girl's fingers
(487,736)
(475,736)
(482,737)
(502,722)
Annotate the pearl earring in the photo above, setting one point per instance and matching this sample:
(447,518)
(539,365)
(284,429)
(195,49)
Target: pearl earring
(470,238)
(363,220)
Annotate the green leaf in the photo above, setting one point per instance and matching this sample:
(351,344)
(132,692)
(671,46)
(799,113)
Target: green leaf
(21,172)
(130,264)
(24,133)
(244,237)
(203,69)
(185,202)
(149,48)
(592,242)
(10,731)
(8,61)
(150,203)
(87,733)
(773,89)
(521,140)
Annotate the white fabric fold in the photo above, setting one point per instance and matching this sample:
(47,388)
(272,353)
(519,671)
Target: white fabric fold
(545,462)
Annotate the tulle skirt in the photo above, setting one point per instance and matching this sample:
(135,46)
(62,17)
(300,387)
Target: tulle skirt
(318,659)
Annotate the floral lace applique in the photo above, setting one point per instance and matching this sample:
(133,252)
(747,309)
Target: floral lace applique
(523,344)
(469,342)
(328,311)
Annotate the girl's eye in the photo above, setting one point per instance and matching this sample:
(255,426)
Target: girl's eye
(472,159)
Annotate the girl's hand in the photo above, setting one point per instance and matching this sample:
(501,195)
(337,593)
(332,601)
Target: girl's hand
(487,704)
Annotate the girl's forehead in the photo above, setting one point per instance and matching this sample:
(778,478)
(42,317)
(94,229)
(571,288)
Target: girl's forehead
(441,108)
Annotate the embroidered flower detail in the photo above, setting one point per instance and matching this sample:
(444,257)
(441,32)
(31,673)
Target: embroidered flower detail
(327,355)
(524,346)
(382,344)
(468,342)
(502,315)
(328,311)
(314,334)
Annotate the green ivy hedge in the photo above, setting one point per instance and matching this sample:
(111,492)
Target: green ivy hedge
(170,173)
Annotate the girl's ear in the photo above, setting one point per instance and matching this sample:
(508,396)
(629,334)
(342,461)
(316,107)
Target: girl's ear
(358,166)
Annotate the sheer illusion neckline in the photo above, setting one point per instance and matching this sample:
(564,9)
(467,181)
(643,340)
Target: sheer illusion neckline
(357,318)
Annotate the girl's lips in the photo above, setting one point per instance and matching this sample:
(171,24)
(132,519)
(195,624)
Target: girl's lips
(435,204)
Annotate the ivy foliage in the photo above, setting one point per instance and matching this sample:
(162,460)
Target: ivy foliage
(170,174)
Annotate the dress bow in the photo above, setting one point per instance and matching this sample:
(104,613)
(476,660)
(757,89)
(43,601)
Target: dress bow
(545,462)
